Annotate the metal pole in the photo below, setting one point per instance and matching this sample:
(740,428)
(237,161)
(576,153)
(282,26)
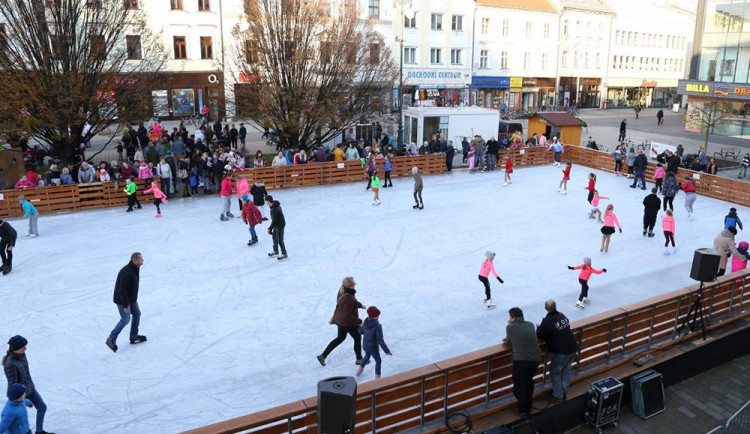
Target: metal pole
(400,141)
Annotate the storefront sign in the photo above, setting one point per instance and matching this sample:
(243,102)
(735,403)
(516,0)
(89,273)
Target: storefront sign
(741,90)
(491,82)
(516,83)
(647,83)
(590,80)
(529,82)
(436,77)
(698,88)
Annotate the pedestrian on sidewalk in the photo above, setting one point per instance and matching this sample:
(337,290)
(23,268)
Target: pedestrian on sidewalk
(623,128)
(30,211)
(126,299)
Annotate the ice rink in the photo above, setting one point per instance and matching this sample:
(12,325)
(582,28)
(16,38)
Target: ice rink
(231,331)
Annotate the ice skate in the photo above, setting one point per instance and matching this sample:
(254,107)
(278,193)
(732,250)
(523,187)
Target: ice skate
(139,207)
(586,300)
(272,254)
(112,345)
(129,210)
(666,251)
(282,257)
(674,250)
(580,305)
(651,234)
(137,339)
(230,215)
(490,303)
(504,184)
(359,371)
(33,236)
(157,215)
(28,235)
(644,232)
(6,269)
(691,217)
(223,218)
(265,219)
(564,192)
(322,360)
(558,190)
(421,206)
(415,206)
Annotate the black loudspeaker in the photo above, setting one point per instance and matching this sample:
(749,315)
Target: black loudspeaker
(705,265)
(647,393)
(337,405)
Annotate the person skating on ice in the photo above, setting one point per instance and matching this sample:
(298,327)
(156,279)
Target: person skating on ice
(558,149)
(488,267)
(583,278)
(508,170)
(226,196)
(251,216)
(159,196)
(591,187)
(346,319)
(131,190)
(669,190)
(739,262)
(126,299)
(659,175)
(610,220)
(690,195)
(30,211)
(563,187)
(16,367)
(243,189)
(417,188)
(276,229)
(372,340)
(387,180)
(375,184)
(668,226)
(617,153)
(258,190)
(8,237)
(651,207)
(15,417)
(732,220)
(595,211)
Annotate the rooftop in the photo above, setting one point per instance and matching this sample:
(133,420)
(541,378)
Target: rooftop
(559,119)
(533,5)
(588,5)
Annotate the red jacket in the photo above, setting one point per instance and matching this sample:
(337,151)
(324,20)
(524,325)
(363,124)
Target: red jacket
(566,171)
(251,214)
(688,186)
(226,187)
(508,166)
(592,184)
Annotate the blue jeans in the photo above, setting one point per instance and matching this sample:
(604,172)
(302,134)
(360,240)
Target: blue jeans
(135,312)
(206,183)
(480,161)
(642,175)
(253,235)
(490,161)
(376,356)
(41,409)
(560,374)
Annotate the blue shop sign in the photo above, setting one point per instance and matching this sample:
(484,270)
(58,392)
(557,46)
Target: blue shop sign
(490,82)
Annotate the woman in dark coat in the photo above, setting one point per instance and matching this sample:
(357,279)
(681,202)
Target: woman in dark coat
(346,318)
(17,371)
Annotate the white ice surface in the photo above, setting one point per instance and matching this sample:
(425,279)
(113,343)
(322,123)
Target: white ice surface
(231,331)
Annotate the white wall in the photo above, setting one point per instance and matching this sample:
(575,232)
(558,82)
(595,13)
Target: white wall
(587,36)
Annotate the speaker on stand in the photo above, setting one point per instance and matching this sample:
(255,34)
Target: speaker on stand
(337,405)
(704,269)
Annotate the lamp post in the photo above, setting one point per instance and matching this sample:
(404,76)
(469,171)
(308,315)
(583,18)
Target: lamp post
(401,5)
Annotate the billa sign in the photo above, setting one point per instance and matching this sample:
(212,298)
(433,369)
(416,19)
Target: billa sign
(736,91)
(699,88)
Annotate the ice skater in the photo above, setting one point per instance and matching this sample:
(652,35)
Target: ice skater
(226,197)
(159,196)
(131,190)
(689,188)
(372,340)
(651,207)
(243,189)
(346,318)
(15,418)
(387,180)
(732,219)
(488,267)
(418,188)
(508,170)
(16,368)
(558,148)
(583,278)
(591,187)
(276,229)
(610,220)
(617,153)
(126,299)
(258,190)
(659,175)
(251,216)
(563,187)
(8,237)
(669,191)
(668,226)
(375,184)
(595,211)
(30,211)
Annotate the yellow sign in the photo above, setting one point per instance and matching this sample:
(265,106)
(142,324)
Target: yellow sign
(516,83)
(702,88)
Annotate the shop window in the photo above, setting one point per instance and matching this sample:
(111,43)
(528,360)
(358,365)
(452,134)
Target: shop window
(436,21)
(506,26)
(176,5)
(528,29)
(183,102)
(204,5)
(456,57)
(546,30)
(617,37)
(435,56)
(485,26)
(373,9)
(457,23)
(504,60)
(484,59)
(564,59)
(410,22)
(180,47)
(133,43)
(586,60)
(131,5)
(207,47)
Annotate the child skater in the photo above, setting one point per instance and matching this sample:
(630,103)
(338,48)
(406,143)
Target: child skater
(595,206)
(472,152)
(667,224)
(740,262)
(617,153)
(659,175)
(583,278)
(131,190)
(732,220)
(15,418)
(484,271)
(251,216)
(566,177)
(372,338)
(591,187)
(159,196)
(508,170)
(375,184)
(610,220)
(259,193)
(387,180)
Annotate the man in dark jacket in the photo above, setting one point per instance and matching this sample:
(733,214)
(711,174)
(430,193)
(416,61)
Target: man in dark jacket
(651,206)
(126,299)
(623,127)
(243,134)
(673,162)
(520,335)
(346,318)
(492,149)
(639,165)
(555,331)
(8,237)
(276,229)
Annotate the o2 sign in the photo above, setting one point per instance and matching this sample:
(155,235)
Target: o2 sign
(213,79)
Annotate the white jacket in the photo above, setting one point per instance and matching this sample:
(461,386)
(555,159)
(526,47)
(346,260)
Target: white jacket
(164,170)
(278,161)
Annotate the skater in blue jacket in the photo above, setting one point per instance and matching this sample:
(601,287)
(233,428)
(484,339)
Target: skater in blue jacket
(15,419)
(372,337)
(732,219)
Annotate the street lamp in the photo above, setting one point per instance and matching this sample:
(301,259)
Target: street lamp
(404,14)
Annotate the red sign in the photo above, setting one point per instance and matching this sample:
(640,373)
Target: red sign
(249,77)
(647,83)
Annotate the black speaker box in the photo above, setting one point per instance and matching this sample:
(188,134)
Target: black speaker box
(647,393)
(337,405)
(705,265)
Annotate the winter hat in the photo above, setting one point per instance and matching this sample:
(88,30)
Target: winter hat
(489,255)
(414,170)
(103,171)
(244,198)
(143,164)
(21,197)
(15,391)
(17,342)
(587,261)
(373,312)
(744,245)
(732,209)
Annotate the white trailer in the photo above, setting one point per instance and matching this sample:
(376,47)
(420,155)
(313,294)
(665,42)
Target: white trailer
(454,123)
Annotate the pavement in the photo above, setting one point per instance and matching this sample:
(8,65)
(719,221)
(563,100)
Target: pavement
(696,405)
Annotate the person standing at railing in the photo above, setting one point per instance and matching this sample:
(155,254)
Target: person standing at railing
(450,152)
(639,166)
(480,146)
(558,148)
(555,331)
(724,244)
(521,336)
(30,211)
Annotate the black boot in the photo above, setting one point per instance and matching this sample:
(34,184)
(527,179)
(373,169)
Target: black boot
(7,268)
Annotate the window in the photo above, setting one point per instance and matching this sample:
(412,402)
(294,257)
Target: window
(545,61)
(617,38)
(680,70)
(600,31)
(630,38)
(598,60)
(410,55)
(455,56)
(435,56)
(437,21)
(176,5)
(504,60)
(588,29)
(326,4)
(94,3)
(373,9)
(566,28)
(98,46)
(575,59)
(204,5)
(207,47)
(133,43)
(410,23)
(485,26)
(374,53)
(251,51)
(457,23)
(483,59)
(506,25)
(546,30)
(180,47)
(131,4)
(635,39)
(528,29)
(526,60)
(578,29)
(565,58)
(586,59)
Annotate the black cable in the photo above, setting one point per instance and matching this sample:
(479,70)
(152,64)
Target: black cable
(465,425)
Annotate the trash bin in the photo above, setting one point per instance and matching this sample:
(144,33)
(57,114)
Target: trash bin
(604,105)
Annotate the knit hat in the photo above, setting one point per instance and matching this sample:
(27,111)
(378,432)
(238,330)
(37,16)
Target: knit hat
(587,260)
(744,245)
(15,391)
(244,198)
(21,197)
(414,170)
(373,312)
(17,342)
(732,209)
(103,170)
(489,255)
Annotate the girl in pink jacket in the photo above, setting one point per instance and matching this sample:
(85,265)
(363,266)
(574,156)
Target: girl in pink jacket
(484,271)
(610,220)
(243,189)
(583,278)
(740,262)
(659,175)
(595,206)
(667,224)
(144,172)
(159,197)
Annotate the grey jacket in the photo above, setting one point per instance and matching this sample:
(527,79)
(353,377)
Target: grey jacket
(630,158)
(479,145)
(417,182)
(522,337)
(86,176)
(17,371)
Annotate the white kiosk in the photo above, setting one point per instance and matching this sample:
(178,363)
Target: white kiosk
(454,123)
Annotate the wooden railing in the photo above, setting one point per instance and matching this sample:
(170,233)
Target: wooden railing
(414,398)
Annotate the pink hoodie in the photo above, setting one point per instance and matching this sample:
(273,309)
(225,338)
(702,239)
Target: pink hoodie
(738,263)
(667,223)
(144,172)
(595,200)
(610,219)
(659,173)
(487,267)
(586,272)
(242,188)
(158,194)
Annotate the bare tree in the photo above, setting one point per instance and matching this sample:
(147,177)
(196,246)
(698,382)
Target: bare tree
(73,69)
(313,71)
(708,115)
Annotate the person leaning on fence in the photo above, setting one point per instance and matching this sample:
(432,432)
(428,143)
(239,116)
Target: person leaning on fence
(521,336)
(555,331)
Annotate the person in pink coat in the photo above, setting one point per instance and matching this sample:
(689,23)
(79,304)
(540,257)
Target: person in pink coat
(484,272)
(144,172)
(659,175)
(595,206)
(243,189)
(610,220)
(740,262)
(159,197)
(667,225)
(583,278)
(24,183)
(226,196)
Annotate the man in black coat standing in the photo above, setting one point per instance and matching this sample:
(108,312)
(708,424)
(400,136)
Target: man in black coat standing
(651,206)
(521,337)
(623,127)
(278,223)
(8,237)
(126,299)
(555,330)
(639,164)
